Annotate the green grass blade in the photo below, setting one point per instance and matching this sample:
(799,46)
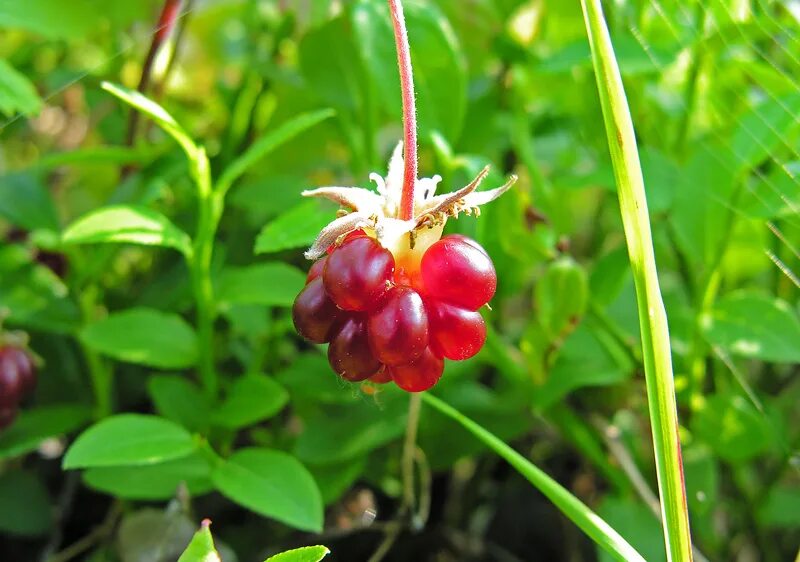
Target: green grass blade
(652,316)
(591,523)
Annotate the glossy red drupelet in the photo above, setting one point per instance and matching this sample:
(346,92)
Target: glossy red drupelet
(382,329)
(358,273)
(398,329)
(458,271)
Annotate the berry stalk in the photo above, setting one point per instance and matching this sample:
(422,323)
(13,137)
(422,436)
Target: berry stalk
(409,109)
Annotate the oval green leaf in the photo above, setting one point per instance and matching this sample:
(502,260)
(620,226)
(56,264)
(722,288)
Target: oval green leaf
(296,227)
(129,440)
(304,554)
(129,224)
(273,484)
(144,336)
(251,398)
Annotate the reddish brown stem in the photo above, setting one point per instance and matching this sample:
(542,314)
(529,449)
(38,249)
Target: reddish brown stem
(409,110)
(166,21)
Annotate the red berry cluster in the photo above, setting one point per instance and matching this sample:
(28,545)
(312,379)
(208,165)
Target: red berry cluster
(384,324)
(17,380)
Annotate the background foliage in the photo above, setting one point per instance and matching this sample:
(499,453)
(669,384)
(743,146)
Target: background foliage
(124,412)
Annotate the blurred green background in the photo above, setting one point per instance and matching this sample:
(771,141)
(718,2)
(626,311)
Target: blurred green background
(715,99)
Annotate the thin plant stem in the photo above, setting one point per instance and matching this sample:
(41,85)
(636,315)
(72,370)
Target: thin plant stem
(409,109)
(200,265)
(656,353)
(409,451)
(166,21)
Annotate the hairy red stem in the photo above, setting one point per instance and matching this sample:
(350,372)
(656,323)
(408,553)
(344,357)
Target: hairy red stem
(409,110)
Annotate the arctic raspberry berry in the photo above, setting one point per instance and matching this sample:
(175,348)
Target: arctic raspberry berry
(459,273)
(349,353)
(358,273)
(455,333)
(420,374)
(398,329)
(314,313)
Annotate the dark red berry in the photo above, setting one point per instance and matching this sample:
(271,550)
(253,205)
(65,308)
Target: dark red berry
(459,273)
(398,329)
(15,369)
(314,313)
(455,333)
(349,353)
(358,273)
(316,269)
(419,375)
(7,416)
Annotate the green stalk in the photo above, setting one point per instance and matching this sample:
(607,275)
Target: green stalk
(652,315)
(200,266)
(600,531)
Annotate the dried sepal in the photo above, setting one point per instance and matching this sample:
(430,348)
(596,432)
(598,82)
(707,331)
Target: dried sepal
(379,211)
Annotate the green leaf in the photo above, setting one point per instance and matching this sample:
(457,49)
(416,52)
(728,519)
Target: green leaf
(152,482)
(144,336)
(756,326)
(766,129)
(304,554)
(561,296)
(656,351)
(250,399)
(299,226)
(34,426)
(201,548)
(129,439)
(268,284)
(17,93)
(732,427)
(157,114)
(26,202)
(128,224)
(597,529)
(440,76)
(266,144)
(26,505)
(273,484)
(180,400)
(50,18)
